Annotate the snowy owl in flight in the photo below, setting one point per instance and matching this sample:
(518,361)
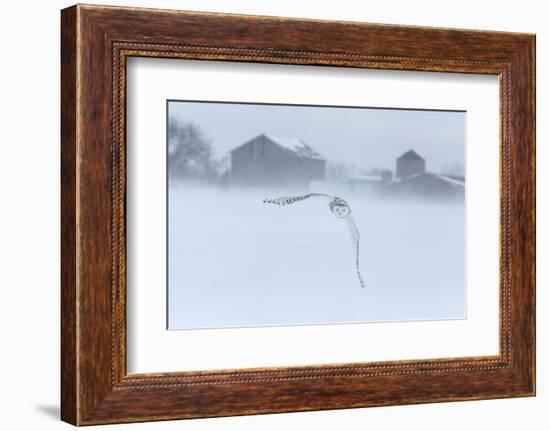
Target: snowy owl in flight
(340,208)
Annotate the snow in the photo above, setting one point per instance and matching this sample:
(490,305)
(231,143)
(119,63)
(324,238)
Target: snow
(235,261)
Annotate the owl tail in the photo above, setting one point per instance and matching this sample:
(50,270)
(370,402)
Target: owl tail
(355,237)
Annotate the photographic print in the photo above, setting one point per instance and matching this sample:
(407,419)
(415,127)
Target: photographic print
(307,214)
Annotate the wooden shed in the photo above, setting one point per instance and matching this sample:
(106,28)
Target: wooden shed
(410,163)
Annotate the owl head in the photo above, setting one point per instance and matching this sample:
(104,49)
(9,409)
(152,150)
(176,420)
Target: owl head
(340,208)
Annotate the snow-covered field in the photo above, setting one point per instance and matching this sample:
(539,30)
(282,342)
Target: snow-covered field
(235,261)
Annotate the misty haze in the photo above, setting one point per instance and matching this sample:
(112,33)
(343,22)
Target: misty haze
(296,215)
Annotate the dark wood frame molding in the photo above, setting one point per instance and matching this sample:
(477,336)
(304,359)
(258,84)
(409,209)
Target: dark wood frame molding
(95,43)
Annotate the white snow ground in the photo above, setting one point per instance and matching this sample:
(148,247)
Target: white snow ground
(235,261)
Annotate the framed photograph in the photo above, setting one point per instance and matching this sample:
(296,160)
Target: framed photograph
(315,262)
(265,214)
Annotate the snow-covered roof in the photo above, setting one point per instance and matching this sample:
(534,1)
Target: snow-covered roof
(295,145)
(366,177)
(453,182)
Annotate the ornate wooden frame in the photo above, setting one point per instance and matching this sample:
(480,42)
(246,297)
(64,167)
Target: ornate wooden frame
(96,41)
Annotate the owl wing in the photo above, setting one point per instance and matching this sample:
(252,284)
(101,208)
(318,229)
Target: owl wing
(287,200)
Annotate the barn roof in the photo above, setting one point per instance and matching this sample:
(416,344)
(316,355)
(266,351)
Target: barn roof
(452,182)
(410,155)
(292,145)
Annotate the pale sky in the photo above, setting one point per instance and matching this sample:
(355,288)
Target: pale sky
(365,137)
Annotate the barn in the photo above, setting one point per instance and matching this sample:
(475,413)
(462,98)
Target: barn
(433,186)
(276,162)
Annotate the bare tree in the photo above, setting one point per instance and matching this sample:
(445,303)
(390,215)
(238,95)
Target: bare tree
(453,169)
(189,150)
